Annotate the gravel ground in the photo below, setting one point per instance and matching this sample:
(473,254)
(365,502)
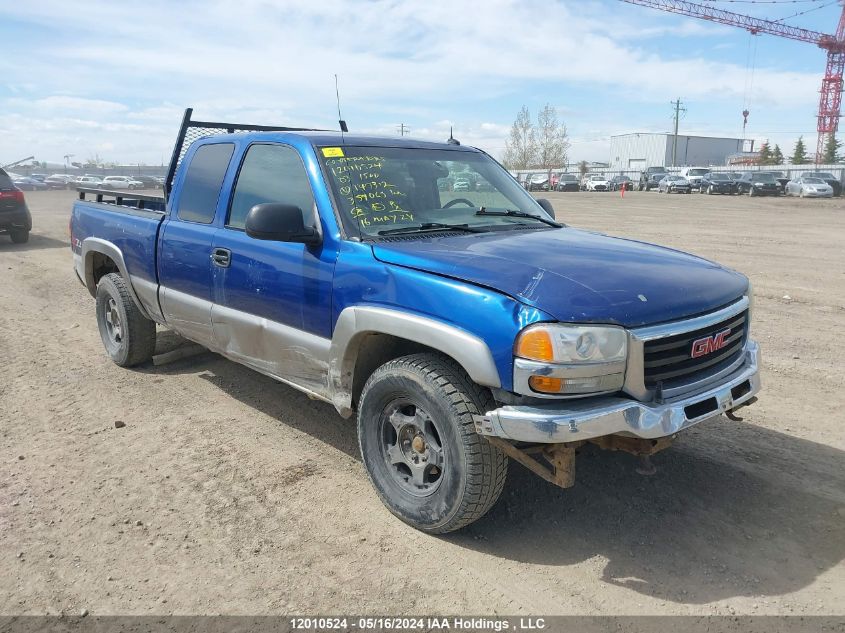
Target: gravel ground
(228,493)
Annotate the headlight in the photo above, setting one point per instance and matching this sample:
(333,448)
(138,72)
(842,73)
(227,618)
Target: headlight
(555,343)
(556,359)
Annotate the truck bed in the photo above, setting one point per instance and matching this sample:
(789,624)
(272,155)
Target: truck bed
(130,221)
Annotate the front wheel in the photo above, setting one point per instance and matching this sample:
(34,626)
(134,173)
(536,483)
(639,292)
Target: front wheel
(128,336)
(419,446)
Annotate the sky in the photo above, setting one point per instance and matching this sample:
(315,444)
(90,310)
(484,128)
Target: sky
(111,79)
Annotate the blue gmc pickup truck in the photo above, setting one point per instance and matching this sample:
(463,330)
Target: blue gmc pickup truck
(420,288)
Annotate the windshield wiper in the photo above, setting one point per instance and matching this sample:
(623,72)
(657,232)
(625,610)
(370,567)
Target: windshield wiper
(431,226)
(518,214)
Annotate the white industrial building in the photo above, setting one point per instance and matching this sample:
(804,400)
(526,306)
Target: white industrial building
(635,152)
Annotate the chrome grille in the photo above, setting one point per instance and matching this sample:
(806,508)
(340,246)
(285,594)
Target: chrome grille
(668,360)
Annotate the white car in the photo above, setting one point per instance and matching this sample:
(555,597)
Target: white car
(121,182)
(809,187)
(694,175)
(597,182)
(92,182)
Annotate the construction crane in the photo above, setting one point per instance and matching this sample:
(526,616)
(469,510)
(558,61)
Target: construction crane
(830,100)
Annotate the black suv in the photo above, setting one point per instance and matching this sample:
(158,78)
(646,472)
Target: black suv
(14,214)
(758,183)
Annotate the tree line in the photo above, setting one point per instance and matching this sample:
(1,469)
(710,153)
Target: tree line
(774,156)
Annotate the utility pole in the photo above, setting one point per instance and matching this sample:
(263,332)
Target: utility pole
(678,110)
(403,129)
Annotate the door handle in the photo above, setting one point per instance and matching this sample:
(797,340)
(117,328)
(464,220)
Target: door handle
(221,257)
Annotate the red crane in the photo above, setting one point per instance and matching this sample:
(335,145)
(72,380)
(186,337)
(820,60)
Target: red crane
(830,100)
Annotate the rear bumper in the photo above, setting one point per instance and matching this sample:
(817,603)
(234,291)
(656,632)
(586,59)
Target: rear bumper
(575,420)
(17,219)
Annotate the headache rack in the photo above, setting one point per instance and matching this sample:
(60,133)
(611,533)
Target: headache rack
(190,131)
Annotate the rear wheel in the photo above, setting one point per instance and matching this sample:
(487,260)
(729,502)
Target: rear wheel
(419,446)
(128,336)
(19,237)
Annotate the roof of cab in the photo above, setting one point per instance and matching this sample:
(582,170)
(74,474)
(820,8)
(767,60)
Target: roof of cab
(332,139)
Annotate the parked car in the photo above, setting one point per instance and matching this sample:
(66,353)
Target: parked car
(538,182)
(780,177)
(93,182)
(567,182)
(507,335)
(596,182)
(653,181)
(26,183)
(809,187)
(694,175)
(758,183)
(830,179)
(621,182)
(717,182)
(647,177)
(148,182)
(15,219)
(674,184)
(59,181)
(121,182)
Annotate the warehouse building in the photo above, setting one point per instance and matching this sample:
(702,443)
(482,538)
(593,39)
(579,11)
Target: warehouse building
(635,152)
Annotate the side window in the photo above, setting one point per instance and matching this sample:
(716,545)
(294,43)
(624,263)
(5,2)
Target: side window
(270,173)
(198,200)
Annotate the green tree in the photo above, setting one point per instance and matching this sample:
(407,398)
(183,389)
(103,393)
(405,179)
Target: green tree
(765,155)
(777,156)
(799,154)
(521,146)
(552,140)
(831,150)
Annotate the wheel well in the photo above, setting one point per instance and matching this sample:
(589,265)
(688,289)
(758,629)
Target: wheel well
(375,350)
(101,265)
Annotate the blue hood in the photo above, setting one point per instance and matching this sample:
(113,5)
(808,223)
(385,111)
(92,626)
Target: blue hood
(577,276)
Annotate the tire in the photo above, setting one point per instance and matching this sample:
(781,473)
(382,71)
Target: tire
(19,237)
(710,190)
(128,336)
(428,399)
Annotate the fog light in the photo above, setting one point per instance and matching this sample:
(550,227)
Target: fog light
(544,384)
(590,384)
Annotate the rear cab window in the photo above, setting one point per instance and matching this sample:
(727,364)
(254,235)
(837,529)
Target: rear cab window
(203,182)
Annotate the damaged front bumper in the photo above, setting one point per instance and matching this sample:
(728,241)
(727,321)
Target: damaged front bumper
(576,420)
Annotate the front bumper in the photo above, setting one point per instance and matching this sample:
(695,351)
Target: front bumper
(574,420)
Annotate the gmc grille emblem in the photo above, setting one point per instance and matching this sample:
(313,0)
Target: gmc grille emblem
(709,344)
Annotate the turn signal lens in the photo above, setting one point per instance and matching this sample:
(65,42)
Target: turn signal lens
(544,384)
(536,345)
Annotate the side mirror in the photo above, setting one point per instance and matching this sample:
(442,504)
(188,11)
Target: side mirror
(279,223)
(547,207)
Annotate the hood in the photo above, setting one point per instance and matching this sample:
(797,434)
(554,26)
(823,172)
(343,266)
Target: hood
(576,276)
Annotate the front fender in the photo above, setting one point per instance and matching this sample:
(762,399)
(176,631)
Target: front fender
(356,322)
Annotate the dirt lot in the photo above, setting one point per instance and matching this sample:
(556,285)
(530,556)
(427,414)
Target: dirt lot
(229,493)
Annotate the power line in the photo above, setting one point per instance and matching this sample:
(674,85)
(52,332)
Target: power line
(403,129)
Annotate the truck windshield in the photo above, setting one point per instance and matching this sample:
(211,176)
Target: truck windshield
(382,188)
